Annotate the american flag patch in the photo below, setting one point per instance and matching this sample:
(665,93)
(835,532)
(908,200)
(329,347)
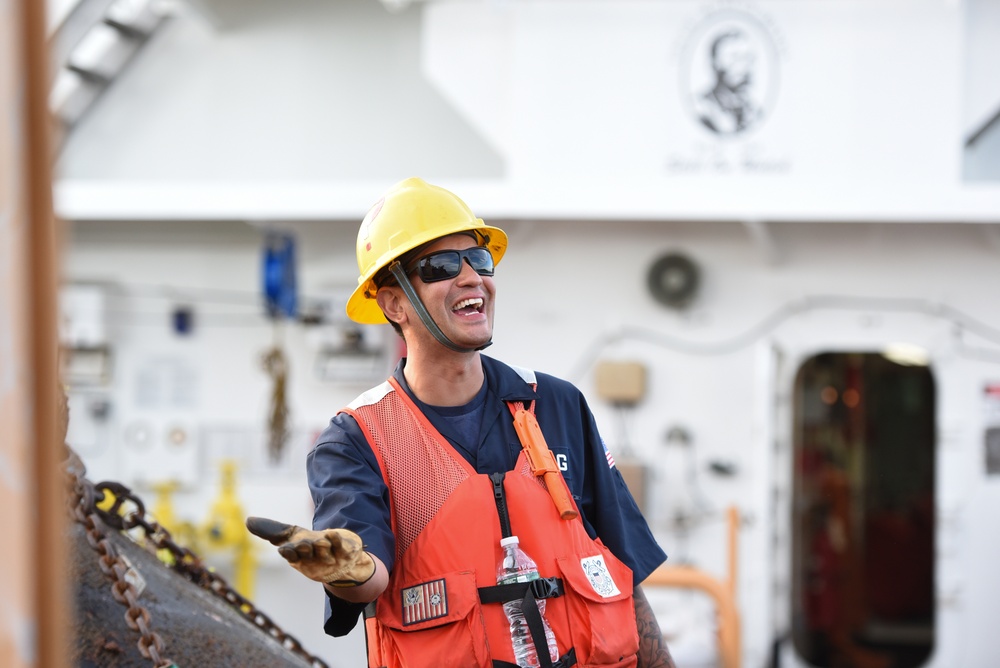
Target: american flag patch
(607,454)
(424,601)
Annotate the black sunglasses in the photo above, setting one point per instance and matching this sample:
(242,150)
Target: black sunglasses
(446,264)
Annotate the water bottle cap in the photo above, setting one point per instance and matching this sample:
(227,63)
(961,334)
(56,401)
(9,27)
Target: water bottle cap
(509,540)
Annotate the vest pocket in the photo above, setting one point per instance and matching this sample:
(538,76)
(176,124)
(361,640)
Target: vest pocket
(433,622)
(599,603)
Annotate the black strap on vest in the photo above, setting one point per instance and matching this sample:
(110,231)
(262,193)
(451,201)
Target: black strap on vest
(541,588)
(565,661)
(533,616)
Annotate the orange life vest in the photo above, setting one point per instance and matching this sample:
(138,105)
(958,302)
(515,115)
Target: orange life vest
(446,524)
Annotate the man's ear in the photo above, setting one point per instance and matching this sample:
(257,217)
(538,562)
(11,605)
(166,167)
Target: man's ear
(390,300)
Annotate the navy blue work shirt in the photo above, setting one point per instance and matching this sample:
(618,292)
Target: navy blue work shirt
(348,490)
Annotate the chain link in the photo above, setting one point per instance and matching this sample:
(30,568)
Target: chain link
(128,512)
(83,509)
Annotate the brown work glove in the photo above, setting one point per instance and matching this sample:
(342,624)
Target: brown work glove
(332,556)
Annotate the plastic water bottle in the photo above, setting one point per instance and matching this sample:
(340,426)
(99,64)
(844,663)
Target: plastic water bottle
(516,566)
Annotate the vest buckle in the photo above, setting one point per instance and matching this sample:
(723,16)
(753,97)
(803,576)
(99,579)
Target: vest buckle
(546,587)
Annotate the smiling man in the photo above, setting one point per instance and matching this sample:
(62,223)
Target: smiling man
(416,482)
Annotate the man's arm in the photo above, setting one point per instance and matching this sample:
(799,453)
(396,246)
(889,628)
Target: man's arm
(653,652)
(366,591)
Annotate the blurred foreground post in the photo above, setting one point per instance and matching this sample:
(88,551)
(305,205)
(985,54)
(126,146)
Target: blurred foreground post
(34,630)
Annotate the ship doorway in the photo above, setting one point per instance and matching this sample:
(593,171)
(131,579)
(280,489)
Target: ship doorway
(863,512)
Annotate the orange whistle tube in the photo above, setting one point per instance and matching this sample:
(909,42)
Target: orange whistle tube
(543,463)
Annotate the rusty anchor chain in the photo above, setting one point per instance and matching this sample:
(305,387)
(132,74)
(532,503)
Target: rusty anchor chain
(83,509)
(128,512)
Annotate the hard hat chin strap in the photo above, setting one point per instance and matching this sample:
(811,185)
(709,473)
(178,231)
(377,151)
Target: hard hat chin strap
(404,282)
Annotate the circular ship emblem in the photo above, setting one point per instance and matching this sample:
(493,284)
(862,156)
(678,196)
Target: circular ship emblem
(729,72)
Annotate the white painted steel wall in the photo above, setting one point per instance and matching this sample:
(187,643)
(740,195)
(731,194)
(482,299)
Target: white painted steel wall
(544,109)
(566,294)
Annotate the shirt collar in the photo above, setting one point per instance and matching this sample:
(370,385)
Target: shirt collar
(502,381)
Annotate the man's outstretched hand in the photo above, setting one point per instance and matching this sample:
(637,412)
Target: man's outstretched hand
(332,556)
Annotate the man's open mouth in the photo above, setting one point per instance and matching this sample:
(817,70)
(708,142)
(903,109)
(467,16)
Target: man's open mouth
(468,306)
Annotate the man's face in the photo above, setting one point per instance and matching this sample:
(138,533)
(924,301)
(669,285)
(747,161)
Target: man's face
(461,306)
(735,60)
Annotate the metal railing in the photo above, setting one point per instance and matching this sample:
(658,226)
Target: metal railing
(723,593)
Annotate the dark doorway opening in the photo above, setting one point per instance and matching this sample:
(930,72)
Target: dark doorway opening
(863,512)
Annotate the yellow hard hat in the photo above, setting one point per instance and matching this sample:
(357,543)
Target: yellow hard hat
(412,213)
